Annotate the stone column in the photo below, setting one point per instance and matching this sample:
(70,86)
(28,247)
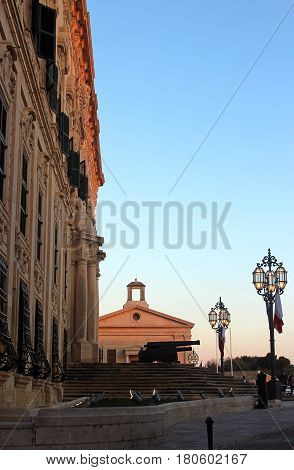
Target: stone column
(92,314)
(81,301)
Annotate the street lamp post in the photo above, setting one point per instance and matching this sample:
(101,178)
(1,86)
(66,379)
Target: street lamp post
(267,284)
(219,318)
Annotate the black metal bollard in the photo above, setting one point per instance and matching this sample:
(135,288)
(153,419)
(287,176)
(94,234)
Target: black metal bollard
(262,390)
(209,423)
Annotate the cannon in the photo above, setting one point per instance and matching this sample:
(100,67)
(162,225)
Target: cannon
(164,351)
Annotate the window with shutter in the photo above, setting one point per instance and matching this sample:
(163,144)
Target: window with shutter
(52,85)
(74,168)
(8,356)
(24,196)
(65,276)
(64,133)
(58,118)
(65,347)
(42,369)
(55,260)
(44,30)
(3,117)
(57,371)
(25,352)
(39,227)
(83,189)
(100,356)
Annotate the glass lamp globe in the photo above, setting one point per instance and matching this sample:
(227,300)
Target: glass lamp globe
(225,317)
(259,278)
(270,277)
(212,318)
(281,276)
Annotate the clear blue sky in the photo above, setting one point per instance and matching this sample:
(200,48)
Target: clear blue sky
(165,69)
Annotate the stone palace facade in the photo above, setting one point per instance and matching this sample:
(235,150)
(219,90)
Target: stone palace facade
(50,172)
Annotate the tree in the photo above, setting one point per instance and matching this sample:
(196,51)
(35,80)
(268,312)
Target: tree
(283,365)
(255,363)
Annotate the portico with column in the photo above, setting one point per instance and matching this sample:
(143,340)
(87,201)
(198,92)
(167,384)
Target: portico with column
(86,257)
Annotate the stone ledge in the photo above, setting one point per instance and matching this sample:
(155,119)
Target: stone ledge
(112,428)
(4,376)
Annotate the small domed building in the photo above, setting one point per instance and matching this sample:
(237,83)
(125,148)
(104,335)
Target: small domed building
(124,332)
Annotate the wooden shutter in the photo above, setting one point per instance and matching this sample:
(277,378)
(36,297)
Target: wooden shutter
(42,367)
(44,30)
(64,133)
(8,356)
(52,85)
(3,117)
(25,352)
(83,189)
(65,346)
(74,168)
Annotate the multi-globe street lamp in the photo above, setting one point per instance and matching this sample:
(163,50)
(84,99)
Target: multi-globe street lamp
(268,284)
(219,319)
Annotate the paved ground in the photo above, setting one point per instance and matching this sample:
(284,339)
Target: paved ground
(256,429)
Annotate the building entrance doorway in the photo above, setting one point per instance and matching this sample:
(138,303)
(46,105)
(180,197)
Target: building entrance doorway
(111,356)
(133,358)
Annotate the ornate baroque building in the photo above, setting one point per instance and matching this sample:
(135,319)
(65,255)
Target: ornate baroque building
(50,172)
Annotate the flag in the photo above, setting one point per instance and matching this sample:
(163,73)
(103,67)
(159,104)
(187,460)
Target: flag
(278,318)
(222,339)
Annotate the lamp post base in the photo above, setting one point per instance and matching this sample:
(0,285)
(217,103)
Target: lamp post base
(274,390)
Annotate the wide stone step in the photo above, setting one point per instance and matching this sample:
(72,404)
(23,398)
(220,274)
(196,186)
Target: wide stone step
(143,377)
(150,390)
(115,380)
(81,384)
(84,384)
(93,390)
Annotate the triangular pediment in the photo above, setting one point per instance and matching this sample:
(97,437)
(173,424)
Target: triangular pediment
(138,316)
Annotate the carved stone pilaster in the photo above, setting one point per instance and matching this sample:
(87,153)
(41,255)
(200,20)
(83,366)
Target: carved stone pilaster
(81,216)
(38,278)
(65,315)
(27,123)
(67,240)
(32,52)
(8,57)
(55,299)
(57,209)
(22,254)
(43,169)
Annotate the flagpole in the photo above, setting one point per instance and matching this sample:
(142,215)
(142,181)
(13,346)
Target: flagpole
(216,355)
(232,370)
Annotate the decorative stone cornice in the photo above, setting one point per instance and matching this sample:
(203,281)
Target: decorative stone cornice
(87,99)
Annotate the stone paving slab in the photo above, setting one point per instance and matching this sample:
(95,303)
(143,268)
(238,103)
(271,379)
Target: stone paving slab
(255,429)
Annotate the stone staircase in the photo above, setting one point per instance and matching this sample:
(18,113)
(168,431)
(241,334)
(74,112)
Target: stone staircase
(116,380)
